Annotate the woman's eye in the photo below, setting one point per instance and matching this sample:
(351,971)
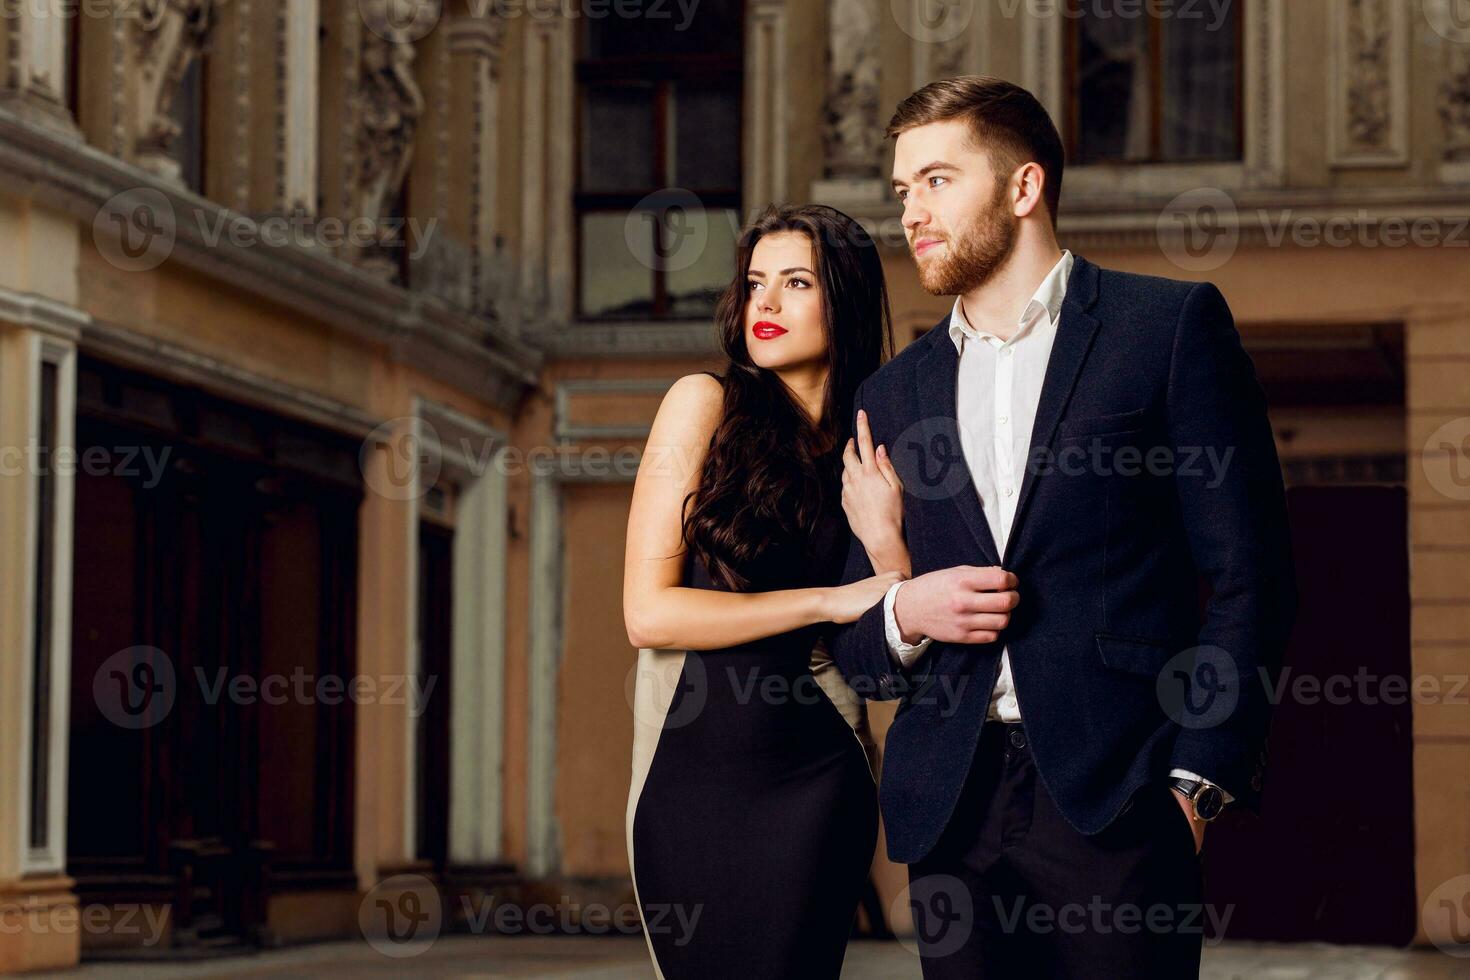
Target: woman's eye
(800,282)
(752,285)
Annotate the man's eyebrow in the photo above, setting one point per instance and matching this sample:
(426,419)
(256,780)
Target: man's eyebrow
(936,165)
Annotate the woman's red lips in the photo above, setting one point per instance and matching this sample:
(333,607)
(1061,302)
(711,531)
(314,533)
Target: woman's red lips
(766,330)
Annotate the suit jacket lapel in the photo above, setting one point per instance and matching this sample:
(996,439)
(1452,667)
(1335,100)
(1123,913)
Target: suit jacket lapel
(1075,330)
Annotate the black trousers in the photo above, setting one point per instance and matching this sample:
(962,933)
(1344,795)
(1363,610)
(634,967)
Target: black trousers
(1013,890)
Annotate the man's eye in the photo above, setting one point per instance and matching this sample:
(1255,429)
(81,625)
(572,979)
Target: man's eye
(933,179)
(903,195)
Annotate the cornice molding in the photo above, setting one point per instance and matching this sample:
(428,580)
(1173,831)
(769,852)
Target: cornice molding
(479,354)
(132,349)
(679,338)
(41,313)
(1259,213)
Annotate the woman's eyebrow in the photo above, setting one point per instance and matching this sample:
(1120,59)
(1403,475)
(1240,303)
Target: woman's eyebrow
(783,272)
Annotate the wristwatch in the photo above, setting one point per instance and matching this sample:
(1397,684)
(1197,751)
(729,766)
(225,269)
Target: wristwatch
(1206,798)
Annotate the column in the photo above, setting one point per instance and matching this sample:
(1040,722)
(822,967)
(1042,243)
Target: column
(767,98)
(33,36)
(1437,361)
(476,45)
(549,131)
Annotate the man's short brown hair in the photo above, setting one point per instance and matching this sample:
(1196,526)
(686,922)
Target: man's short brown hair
(1005,119)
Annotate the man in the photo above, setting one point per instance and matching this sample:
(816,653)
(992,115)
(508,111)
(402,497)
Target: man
(1077,447)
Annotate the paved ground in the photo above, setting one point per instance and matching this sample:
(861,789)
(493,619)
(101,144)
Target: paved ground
(623,958)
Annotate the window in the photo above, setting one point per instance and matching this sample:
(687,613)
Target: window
(1153,89)
(658,161)
(42,648)
(188,112)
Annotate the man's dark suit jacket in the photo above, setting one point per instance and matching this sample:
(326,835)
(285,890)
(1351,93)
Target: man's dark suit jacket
(1122,511)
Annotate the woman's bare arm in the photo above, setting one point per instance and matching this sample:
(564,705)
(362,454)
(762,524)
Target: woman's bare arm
(657,610)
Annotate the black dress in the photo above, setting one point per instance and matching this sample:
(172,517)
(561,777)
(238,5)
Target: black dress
(753,813)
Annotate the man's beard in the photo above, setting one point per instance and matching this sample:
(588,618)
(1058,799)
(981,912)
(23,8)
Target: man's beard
(973,256)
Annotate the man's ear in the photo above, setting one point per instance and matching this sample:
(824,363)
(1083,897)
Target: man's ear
(1031,181)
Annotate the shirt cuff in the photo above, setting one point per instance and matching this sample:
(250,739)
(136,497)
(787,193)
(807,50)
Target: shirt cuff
(1185,773)
(904,653)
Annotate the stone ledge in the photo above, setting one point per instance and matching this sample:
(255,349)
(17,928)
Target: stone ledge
(483,356)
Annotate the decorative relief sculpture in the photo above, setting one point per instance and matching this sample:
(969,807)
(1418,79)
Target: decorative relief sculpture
(171,34)
(1454,104)
(1369,84)
(852,136)
(1369,106)
(391,106)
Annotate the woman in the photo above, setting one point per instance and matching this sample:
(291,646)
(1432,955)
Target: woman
(752,816)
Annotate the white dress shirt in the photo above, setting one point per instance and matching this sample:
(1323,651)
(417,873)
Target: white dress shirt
(997,392)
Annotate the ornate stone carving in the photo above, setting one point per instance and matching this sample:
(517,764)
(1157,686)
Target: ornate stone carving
(1369,84)
(1454,104)
(391,107)
(852,136)
(1367,79)
(170,35)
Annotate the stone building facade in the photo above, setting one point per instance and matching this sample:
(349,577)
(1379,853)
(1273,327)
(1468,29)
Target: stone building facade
(330,331)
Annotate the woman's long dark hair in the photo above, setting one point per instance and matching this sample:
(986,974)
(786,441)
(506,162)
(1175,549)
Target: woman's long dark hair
(763,477)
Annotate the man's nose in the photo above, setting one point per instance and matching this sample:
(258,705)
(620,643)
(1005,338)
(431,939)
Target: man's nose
(915,215)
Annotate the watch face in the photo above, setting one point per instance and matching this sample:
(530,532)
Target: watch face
(1209,803)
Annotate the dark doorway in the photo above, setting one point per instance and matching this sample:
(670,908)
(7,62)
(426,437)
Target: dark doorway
(212,644)
(1332,856)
